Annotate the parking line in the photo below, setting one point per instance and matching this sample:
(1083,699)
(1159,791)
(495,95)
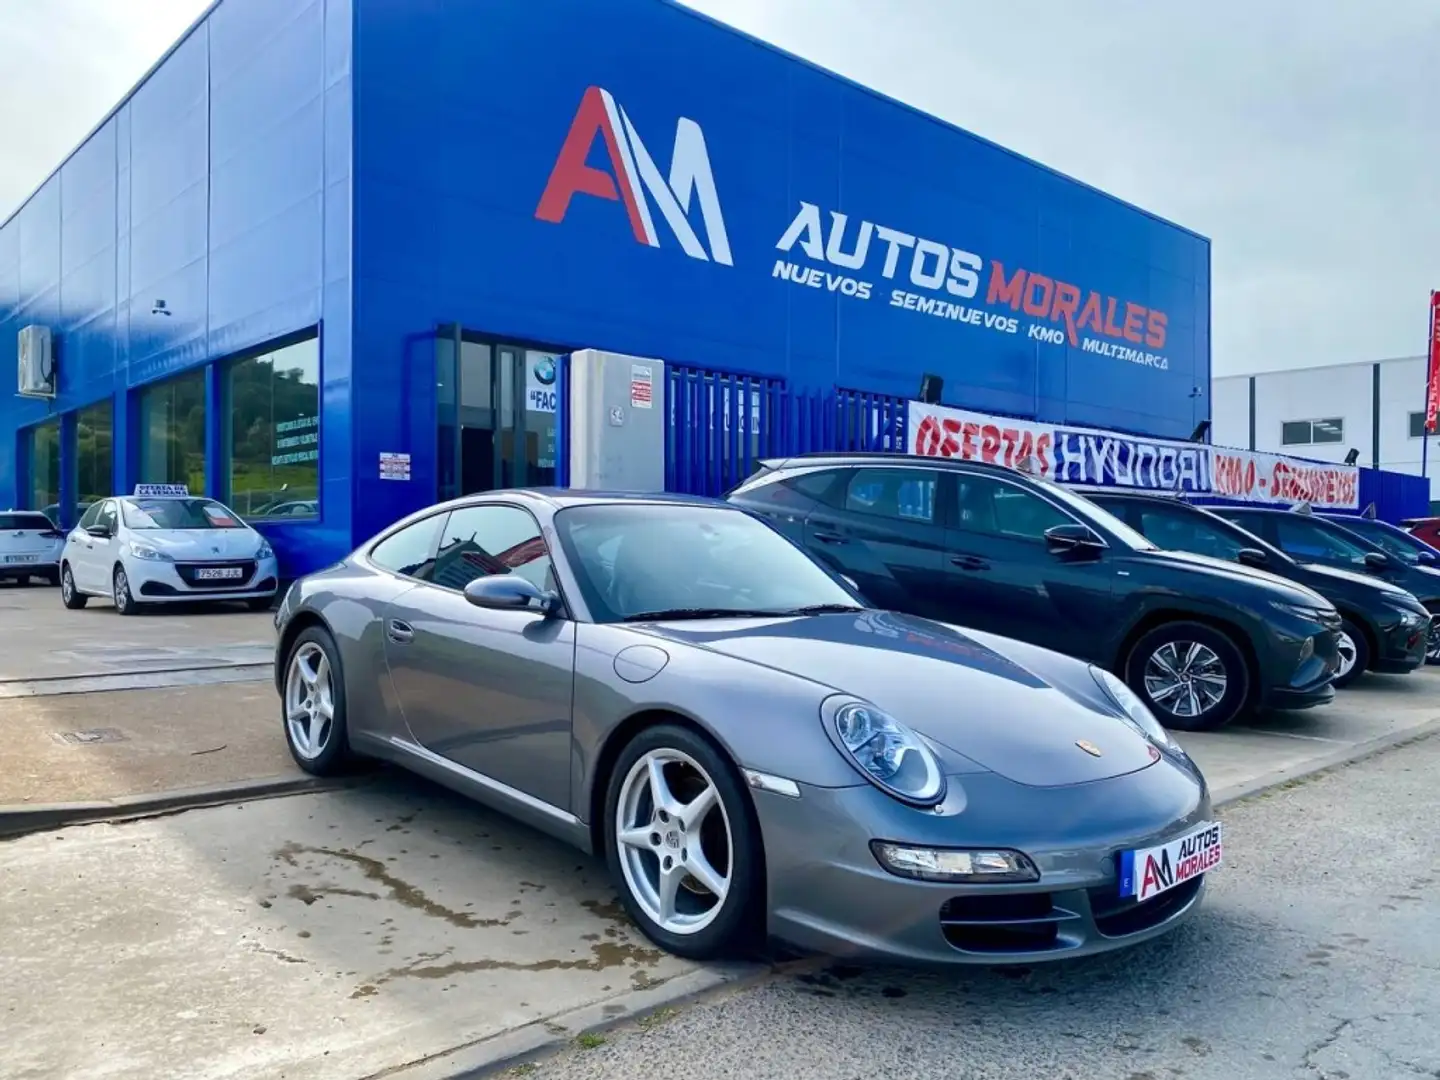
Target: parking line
(1291,735)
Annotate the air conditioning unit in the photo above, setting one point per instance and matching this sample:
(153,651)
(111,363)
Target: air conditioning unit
(36,375)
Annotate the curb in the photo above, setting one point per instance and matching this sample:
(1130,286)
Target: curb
(541,1038)
(44,817)
(1347,755)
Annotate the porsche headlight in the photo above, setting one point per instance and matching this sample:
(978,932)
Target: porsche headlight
(1135,710)
(886,752)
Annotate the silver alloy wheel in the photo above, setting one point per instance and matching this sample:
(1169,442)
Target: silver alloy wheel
(1186,677)
(67,586)
(674,841)
(1432,641)
(122,589)
(310,701)
(1346,648)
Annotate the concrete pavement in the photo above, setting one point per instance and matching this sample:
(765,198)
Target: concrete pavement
(1316,956)
(338,935)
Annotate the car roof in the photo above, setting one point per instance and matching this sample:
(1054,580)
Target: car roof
(561,498)
(882,457)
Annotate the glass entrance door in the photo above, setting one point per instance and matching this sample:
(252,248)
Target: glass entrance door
(496,422)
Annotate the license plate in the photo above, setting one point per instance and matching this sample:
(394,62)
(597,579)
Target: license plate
(22,558)
(217,573)
(1149,872)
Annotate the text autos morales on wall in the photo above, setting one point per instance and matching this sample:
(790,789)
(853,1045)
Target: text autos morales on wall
(1087,456)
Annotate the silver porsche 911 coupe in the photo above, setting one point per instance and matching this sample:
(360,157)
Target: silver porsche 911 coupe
(671,684)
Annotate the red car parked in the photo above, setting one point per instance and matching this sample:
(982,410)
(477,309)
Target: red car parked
(1426,529)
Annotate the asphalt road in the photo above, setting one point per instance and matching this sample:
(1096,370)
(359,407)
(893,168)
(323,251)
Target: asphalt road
(1317,956)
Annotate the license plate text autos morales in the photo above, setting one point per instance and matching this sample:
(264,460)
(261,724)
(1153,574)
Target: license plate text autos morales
(1149,872)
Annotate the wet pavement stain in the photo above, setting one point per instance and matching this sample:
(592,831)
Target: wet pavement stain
(401,891)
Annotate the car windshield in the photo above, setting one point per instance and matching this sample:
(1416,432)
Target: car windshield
(16,522)
(178,514)
(647,560)
(1098,515)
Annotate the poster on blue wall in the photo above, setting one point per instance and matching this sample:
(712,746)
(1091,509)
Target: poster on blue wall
(1088,457)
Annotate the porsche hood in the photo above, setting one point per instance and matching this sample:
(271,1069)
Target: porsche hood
(1031,715)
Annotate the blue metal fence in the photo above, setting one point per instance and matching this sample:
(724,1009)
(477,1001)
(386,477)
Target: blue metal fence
(721,423)
(1396,495)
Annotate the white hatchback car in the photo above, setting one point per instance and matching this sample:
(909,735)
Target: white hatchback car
(29,547)
(164,545)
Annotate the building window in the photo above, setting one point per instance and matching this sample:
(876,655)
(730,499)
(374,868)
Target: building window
(274,400)
(1417,425)
(44,453)
(1311,432)
(172,432)
(94,453)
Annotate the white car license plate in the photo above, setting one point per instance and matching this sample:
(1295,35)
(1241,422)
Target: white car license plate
(1149,872)
(217,573)
(22,558)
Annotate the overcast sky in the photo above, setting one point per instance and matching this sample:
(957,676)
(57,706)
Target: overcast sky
(1302,137)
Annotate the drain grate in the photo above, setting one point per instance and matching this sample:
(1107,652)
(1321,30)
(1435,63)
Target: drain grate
(91,736)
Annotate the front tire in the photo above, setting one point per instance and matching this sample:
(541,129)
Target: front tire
(120,591)
(312,708)
(1192,676)
(682,844)
(70,596)
(1354,654)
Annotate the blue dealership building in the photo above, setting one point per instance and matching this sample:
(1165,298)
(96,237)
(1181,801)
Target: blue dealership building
(326,259)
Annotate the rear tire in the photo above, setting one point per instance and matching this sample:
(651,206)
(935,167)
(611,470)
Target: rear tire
(70,596)
(1192,676)
(689,919)
(1354,654)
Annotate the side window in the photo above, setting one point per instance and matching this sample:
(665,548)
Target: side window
(816,485)
(107,515)
(1188,532)
(92,515)
(1302,539)
(481,540)
(411,551)
(905,494)
(1000,509)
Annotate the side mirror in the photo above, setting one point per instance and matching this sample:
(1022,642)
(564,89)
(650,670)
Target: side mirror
(1252,557)
(100,532)
(509,592)
(1072,537)
(1376,560)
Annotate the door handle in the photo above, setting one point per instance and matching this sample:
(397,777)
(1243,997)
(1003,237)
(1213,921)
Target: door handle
(969,562)
(830,538)
(401,633)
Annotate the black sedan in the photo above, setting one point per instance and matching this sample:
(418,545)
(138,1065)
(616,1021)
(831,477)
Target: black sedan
(997,549)
(1312,539)
(1384,626)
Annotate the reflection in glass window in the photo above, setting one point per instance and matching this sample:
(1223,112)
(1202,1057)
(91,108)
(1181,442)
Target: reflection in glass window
(44,452)
(411,550)
(274,401)
(172,432)
(907,494)
(94,452)
(483,540)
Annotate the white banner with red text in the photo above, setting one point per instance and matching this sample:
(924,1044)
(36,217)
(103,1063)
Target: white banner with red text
(1092,457)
